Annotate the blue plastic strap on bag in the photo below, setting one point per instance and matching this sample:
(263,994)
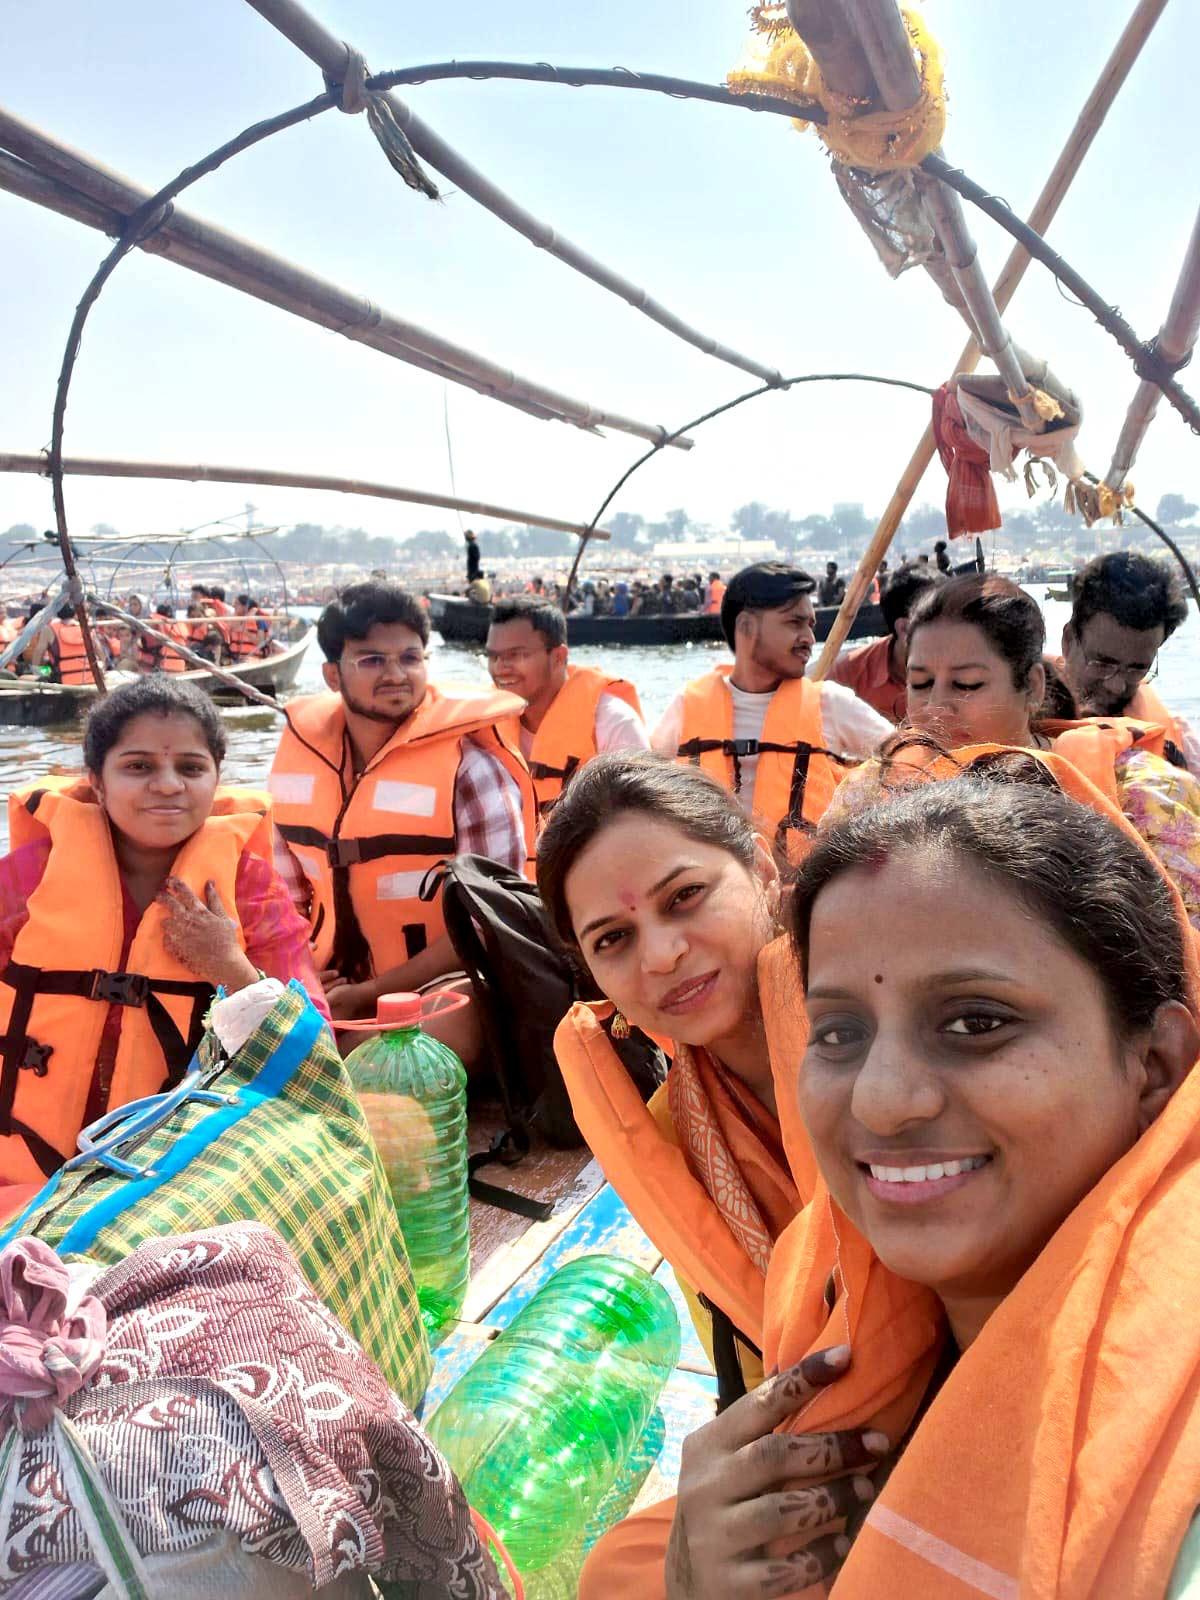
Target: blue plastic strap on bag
(101,1139)
(268,1083)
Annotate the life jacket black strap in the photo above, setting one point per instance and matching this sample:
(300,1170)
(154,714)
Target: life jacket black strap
(539,770)
(342,853)
(507,1147)
(18,1051)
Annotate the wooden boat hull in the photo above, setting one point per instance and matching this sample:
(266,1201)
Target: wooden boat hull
(460,621)
(29,703)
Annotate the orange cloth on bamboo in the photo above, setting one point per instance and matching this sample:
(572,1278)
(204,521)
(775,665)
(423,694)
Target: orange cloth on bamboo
(1061,1458)
(868,671)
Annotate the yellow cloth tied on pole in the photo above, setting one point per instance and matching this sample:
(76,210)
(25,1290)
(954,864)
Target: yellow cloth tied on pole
(856,133)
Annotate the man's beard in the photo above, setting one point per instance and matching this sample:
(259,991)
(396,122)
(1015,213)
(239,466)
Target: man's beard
(361,709)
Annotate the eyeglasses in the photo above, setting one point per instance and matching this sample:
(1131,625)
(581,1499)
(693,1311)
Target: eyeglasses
(372,665)
(512,658)
(1104,669)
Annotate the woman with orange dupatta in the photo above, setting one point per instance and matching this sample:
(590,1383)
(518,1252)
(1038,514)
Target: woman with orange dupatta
(654,877)
(992,1285)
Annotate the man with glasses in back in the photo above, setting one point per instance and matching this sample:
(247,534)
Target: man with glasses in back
(571,713)
(380,779)
(1125,606)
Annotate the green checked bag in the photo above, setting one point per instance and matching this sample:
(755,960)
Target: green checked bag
(275,1135)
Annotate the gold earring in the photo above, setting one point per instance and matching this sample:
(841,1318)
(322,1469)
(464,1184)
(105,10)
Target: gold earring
(620,1026)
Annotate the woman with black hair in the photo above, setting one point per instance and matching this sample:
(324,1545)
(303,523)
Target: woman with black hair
(131,893)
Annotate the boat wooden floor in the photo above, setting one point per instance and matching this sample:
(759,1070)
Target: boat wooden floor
(511,1258)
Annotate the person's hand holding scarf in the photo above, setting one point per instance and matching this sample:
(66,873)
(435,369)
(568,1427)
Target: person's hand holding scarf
(742,1486)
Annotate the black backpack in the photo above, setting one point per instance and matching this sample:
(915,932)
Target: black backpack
(524,984)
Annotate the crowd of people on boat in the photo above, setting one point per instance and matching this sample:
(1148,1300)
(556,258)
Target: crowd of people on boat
(217,630)
(919,942)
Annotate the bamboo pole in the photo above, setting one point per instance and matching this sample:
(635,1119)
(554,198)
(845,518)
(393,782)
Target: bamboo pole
(1173,345)
(216,253)
(334,57)
(1079,141)
(97,467)
(68,593)
(885,41)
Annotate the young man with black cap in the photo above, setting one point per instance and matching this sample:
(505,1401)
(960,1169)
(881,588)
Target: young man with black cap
(776,739)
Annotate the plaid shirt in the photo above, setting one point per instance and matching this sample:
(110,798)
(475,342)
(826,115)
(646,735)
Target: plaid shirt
(488,817)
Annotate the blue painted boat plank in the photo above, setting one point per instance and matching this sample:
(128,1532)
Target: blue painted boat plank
(454,1356)
(692,1353)
(688,1402)
(603,1227)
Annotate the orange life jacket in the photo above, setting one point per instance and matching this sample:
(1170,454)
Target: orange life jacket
(638,1148)
(367,845)
(243,636)
(567,736)
(1093,744)
(1147,706)
(715,595)
(72,657)
(64,972)
(796,774)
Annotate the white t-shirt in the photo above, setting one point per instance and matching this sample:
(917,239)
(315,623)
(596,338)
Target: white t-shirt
(618,727)
(852,727)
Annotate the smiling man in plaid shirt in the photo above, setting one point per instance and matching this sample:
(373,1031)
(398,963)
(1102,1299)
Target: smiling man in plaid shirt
(377,781)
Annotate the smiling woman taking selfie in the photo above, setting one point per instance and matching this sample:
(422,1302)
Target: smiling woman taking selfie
(992,1283)
(655,879)
(130,894)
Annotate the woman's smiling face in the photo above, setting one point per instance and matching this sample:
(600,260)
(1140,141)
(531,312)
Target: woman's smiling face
(963,1086)
(670,927)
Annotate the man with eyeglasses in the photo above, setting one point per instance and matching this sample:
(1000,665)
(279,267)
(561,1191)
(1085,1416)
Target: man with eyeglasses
(379,780)
(1125,606)
(571,713)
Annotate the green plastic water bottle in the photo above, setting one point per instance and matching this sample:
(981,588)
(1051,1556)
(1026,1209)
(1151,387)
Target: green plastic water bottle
(540,1427)
(413,1091)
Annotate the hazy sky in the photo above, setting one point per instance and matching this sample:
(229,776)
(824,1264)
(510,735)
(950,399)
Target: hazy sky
(732,219)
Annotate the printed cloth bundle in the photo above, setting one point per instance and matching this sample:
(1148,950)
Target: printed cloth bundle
(270,1132)
(199,1394)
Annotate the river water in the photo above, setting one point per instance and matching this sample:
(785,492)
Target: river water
(659,673)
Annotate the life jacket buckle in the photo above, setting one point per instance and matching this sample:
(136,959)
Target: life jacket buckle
(741,748)
(119,988)
(344,852)
(36,1058)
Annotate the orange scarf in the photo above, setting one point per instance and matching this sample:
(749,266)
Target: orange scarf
(732,1145)
(1061,1458)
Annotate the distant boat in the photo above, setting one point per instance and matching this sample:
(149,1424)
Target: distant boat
(37,703)
(461,621)
(1058,583)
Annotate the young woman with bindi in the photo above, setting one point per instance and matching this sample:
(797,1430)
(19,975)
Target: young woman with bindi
(987,1282)
(657,882)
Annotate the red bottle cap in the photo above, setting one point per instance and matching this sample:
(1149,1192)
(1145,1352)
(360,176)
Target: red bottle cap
(398,1011)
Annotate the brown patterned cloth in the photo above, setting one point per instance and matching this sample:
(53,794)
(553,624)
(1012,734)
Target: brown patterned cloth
(229,1398)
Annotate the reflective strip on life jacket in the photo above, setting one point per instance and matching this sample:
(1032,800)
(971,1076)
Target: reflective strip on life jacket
(796,774)
(366,845)
(65,969)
